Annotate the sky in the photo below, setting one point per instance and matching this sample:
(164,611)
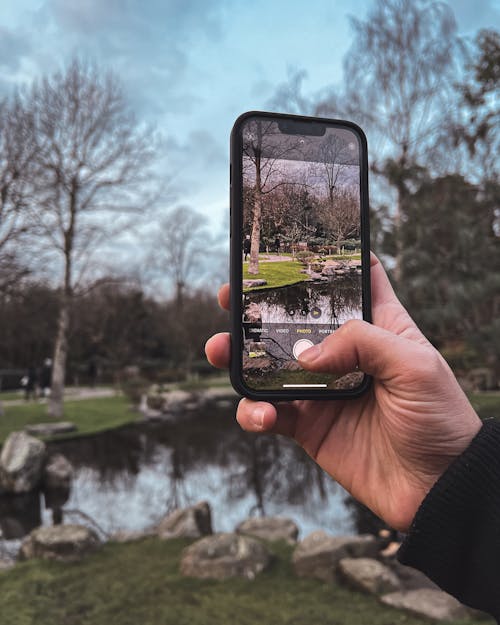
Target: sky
(191,67)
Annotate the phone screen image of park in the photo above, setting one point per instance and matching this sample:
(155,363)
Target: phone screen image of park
(300,248)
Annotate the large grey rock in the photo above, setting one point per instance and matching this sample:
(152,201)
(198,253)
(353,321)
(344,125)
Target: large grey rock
(368,575)
(248,284)
(58,473)
(177,401)
(21,463)
(51,429)
(319,553)
(427,602)
(67,543)
(225,555)
(410,578)
(269,528)
(128,536)
(192,522)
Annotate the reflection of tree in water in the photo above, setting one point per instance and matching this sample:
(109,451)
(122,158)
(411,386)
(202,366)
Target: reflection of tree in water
(277,471)
(273,469)
(343,293)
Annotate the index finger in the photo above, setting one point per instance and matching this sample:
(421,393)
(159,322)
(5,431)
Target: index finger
(223,296)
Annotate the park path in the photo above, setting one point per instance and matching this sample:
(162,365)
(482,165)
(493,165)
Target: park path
(73,394)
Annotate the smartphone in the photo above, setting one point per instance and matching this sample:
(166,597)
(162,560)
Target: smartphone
(300,250)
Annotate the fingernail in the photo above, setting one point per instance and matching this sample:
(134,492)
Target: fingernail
(257,417)
(311,354)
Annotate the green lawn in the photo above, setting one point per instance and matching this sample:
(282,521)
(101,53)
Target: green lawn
(89,415)
(138,583)
(486,404)
(277,274)
(10,395)
(344,257)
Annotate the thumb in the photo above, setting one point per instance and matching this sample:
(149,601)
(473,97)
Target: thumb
(359,344)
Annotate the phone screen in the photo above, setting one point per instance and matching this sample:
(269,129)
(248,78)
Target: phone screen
(301,248)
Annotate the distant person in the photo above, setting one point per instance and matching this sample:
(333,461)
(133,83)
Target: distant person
(277,245)
(46,378)
(31,381)
(246,246)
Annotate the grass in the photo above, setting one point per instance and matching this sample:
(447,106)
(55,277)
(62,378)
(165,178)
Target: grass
(344,257)
(127,584)
(283,273)
(89,415)
(486,404)
(11,395)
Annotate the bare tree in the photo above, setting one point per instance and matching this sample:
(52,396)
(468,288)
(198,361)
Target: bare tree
(265,151)
(17,152)
(182,248)
(399,79)
(93,171)
(341,215)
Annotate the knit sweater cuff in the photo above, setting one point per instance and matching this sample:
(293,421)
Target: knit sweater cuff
(455,535)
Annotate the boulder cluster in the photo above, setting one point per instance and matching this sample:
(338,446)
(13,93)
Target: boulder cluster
(354,561)
(25,465)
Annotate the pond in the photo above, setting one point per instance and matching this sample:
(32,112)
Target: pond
(131,477)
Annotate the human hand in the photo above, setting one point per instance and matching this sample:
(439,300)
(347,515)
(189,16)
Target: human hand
(388,447)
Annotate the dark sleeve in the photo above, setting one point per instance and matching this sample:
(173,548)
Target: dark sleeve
(455,535)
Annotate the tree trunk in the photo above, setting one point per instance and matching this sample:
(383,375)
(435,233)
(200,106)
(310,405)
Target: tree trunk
(253,265)
(61,346)
(59,364)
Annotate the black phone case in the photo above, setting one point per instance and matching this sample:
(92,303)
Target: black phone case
(236,282)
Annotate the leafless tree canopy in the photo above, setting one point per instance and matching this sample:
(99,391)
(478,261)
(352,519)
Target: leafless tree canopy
(92,170)
(180,245)
(401,69)
(17,159)
(93,160)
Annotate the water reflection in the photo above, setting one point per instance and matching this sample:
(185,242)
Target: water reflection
(130,478)
(338,299)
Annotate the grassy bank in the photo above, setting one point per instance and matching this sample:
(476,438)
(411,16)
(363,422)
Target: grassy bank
(486,404)
(139,583)
(89,415)
(276,274)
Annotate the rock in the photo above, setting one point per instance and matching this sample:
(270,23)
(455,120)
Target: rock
(319,553)
(66,543)
(410,578)
(128,536)
(58,473)
(192,522)
(368,575)
(349,380)
(427,602)
(225,555)
(175,401)
(51,429)
(21,463)
(269,528)
(257,365)
(249,284)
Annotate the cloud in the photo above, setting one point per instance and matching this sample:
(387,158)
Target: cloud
(195,161)
(149,44)
(474,15)
(14,45)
